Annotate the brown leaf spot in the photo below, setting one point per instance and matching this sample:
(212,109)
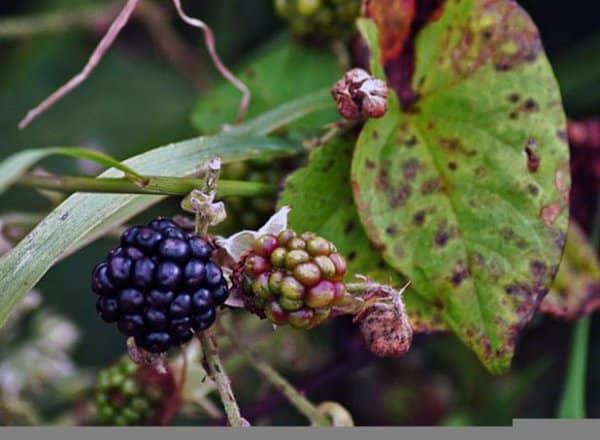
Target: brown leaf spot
(410,141)
(430,186)
(461,272)
(480,171)
(530,105)
(454,145)
(533,189)
(549,213)
(441,238)
(533,160)
(409,168)
(538,268)
(453,166)
(513,97)
(391,230)
(369,164)
(419,218)
(349,226)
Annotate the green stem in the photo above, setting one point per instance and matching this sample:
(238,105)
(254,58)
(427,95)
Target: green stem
(158,185)
(29,25)
(301,403)
(572,405)
(217,372)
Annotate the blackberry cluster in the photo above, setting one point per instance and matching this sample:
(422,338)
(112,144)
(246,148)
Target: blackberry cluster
(320,19)
(159,285)
(292,279)
(128,394)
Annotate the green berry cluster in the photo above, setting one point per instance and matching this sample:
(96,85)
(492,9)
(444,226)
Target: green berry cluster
(293,279)
(320,19)
(127,394)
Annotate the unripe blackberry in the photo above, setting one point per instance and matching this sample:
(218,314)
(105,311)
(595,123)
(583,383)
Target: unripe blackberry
(320,19)
(159,285)
(292,279)
(128,394)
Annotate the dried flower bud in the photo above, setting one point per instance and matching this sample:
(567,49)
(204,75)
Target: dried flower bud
(384,323)
(359,95)
(386,332)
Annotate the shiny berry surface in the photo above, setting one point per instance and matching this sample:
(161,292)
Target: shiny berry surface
(159,285)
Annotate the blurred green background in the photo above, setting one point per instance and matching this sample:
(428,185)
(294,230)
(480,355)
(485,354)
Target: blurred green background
(138,100)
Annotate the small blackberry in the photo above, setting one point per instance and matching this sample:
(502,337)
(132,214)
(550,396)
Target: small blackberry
(128,394)
(292,279)
(159,285)
(320,19)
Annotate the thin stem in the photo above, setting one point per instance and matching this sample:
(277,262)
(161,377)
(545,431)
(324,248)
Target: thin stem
(117,25)
(294,396)
(333,130)
(210,45)
(215,368)
(158,185)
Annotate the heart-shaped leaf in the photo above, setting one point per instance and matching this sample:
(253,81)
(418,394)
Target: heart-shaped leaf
(465,191)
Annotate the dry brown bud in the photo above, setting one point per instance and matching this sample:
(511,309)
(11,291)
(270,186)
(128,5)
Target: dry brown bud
(386,331)
(359,95)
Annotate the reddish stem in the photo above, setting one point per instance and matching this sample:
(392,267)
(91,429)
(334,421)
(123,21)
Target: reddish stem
(210,45)
(117,25)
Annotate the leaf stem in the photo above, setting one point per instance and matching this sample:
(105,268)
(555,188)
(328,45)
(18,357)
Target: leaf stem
(158,185)
(294,396)
(217,372)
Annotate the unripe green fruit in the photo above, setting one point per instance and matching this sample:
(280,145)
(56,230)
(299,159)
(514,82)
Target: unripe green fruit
(292,279)
(319,20)
(128,394)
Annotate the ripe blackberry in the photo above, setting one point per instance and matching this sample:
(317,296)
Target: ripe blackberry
(128,394)
(320,19)
(159,285)
(292,279)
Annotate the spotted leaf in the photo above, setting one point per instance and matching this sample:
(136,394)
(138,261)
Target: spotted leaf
(464,189)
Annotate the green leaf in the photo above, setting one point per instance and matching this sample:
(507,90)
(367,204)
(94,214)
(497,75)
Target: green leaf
(572,404)
(575,291)
(282,71)
(16,165)
(368,30)
(466,191)
(320,196)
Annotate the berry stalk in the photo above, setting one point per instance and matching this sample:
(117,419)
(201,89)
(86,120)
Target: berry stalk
(158,185)
(301,403)
(218,374)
